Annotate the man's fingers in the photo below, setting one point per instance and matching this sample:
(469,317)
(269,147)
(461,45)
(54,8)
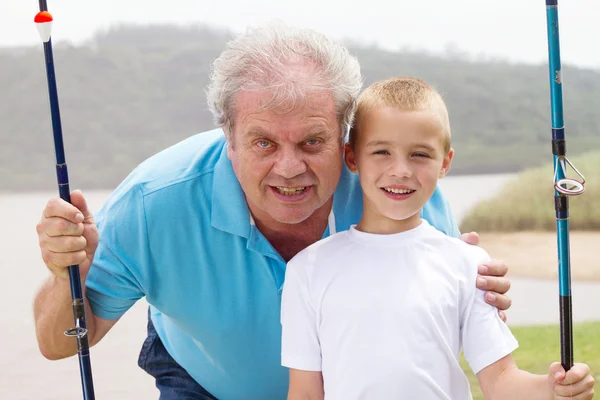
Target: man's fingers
(493,283)
(67,234)
(491,279)
(65,244)
(501,301)
(57,207)
(470,238)
(493,268)
(80,202)
(503,316)
(57,262)
(56,226)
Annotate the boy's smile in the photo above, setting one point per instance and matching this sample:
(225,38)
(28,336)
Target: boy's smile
(397,192)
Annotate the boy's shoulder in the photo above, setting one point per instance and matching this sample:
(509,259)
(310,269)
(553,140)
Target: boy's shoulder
(458,250)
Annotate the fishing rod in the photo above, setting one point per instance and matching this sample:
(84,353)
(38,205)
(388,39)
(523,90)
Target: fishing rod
(43,21)
(563,186)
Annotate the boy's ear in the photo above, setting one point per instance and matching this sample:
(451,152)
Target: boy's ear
(446,163)
(350,158)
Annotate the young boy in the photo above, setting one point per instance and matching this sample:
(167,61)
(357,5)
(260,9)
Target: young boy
(383,310)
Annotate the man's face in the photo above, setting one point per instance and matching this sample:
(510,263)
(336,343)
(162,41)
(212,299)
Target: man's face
(288,164)
(399,156)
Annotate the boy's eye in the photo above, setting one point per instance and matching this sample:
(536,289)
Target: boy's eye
(383,152)
(421,155)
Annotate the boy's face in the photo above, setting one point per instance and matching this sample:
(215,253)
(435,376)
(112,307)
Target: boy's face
(399,156)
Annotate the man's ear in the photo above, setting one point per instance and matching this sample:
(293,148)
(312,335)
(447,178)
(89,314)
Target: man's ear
(350,158)
(446,163)
(229,149)
(228,141)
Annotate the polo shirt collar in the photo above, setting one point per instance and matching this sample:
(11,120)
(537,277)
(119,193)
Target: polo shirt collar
(229,208)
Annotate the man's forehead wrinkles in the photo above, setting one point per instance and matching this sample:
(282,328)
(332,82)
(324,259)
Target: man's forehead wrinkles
(247,102)
(254,116)
(306,123)
(270,117)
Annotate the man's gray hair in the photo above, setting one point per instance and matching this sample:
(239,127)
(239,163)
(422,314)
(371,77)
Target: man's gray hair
(265,59)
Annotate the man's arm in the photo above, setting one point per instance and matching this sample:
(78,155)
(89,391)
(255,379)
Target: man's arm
(53,315)
(67,236)
(305,385)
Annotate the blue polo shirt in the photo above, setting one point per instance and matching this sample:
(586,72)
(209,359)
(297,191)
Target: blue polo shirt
(179,232)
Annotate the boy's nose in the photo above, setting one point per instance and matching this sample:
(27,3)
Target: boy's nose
(400,168)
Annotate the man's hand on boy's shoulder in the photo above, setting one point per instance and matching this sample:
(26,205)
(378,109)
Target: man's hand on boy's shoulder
(492,278)
(470,237)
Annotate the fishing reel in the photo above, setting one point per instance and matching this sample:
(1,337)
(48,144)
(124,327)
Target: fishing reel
(568,186)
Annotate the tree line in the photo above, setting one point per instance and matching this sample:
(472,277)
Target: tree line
(132,91)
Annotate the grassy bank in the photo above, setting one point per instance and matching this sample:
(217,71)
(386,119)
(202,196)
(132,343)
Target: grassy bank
(526,203)
(539,347)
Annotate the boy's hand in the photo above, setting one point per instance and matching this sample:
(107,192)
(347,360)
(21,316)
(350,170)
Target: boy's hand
(576,384)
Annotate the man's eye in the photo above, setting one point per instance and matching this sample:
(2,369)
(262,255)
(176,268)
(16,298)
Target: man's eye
(312,142)
(263,144)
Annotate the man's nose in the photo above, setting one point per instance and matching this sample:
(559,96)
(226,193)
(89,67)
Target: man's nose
(290,164)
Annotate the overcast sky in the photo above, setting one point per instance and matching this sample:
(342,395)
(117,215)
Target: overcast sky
(511,29)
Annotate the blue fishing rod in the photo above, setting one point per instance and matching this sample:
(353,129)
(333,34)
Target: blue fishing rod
(563,186)
(43,21)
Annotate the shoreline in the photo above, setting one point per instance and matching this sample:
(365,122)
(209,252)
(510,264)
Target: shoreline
(532,254)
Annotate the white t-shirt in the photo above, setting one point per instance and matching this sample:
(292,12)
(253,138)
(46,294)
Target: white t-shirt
(386,316)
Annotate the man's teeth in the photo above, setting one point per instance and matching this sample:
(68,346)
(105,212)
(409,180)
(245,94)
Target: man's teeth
(290,191)
(398,191)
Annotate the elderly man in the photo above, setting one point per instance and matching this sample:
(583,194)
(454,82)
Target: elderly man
(203,229)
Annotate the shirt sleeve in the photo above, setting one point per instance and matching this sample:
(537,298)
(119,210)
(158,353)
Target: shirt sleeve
(300,342)
(484,336)
(113,283)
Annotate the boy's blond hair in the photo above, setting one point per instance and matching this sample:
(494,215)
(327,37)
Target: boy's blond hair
(405,93)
